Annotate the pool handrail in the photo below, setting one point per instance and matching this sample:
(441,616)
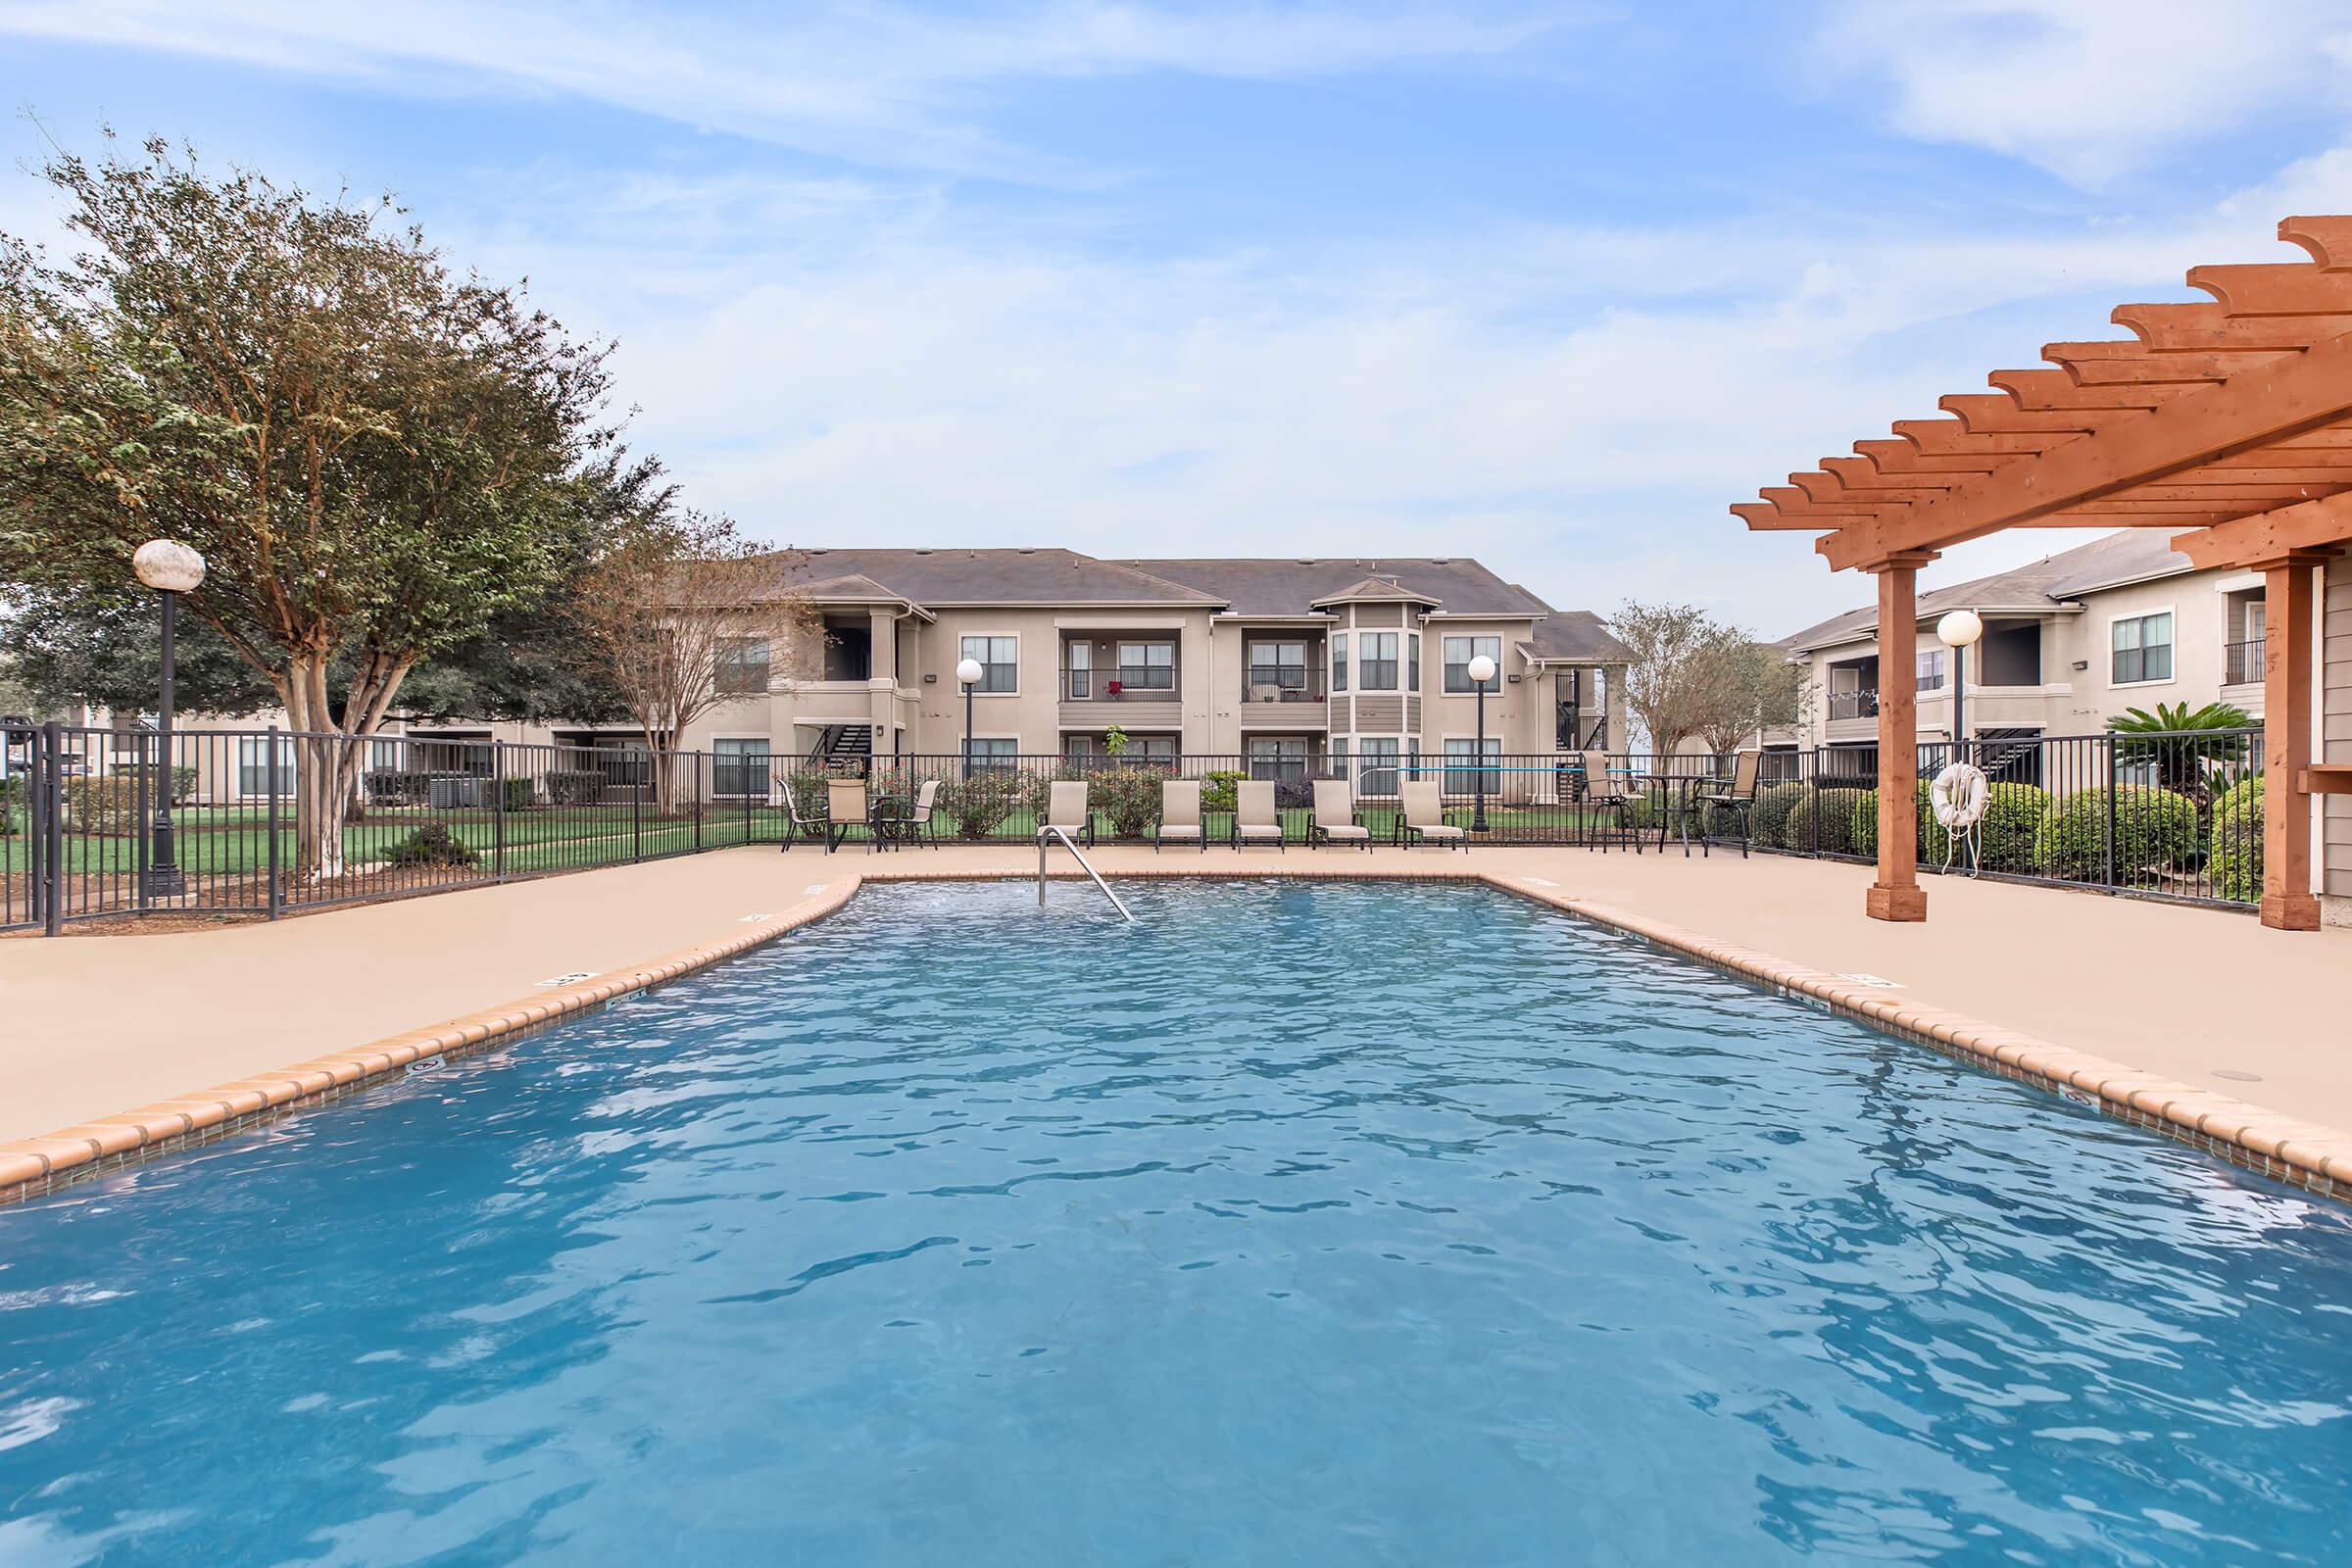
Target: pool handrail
(1046,834)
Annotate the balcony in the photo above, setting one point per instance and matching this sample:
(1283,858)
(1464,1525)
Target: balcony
(1284,697)
(1130,696)
(2242,662)
(1854,705)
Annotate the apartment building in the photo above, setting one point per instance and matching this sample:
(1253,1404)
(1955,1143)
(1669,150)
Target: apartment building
(2070,641)
(1291,667)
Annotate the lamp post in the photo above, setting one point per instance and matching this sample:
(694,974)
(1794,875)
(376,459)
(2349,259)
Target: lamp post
(967,675)
(1959,631)
(1482,670)
(171,569)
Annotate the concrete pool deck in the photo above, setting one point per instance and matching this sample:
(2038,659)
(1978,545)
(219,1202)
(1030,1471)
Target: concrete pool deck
(2143,1004)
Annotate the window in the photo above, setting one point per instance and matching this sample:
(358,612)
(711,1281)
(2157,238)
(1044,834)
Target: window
(1338,661)
(383,755)
(739,767)
(253,765)
(993,754)
(1460,651)
(1281,757)
(1412,656)
(1079,660)
(742,665)
(2144,649)
(1380,661)
(1147,666)
(1377,775)
(1339,758)
(1462,773)
(1280,666)
(1930,669)
(1000,661)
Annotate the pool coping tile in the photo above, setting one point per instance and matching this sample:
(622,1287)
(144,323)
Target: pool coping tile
(2315,1159)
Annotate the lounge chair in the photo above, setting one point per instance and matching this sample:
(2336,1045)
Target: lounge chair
(793,823)
(917,825)
(1179,814)
(852,807)
(1605,791)
(1065,809)
(1254,818)
(1336,820)
(1423,821)
(1740,797)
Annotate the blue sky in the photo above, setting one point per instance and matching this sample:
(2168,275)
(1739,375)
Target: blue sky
(1549,284)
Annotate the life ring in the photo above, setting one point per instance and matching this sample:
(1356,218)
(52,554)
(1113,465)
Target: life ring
(1959,796)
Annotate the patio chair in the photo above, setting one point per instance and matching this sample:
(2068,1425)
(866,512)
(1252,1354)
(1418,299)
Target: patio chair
(1179,814)
(1740,797)
(1423,821)
(917,825)
(1065,809)
(1254,818)
(852,807)
(794,822)
(1336,820)
(1606,791)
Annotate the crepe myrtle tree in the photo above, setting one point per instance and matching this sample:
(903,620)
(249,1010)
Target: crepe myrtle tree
(673,594)
(368,449)
(1744,686)
(1665,681)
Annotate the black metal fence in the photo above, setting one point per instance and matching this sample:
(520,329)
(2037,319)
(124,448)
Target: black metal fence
(93,823)
(2172,816)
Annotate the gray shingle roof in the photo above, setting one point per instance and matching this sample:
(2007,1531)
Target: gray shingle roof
(1291,587)
(2133,555)
(1376,588)
(996,577)
(1580,636)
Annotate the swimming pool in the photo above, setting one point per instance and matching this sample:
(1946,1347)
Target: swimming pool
(1379,1223)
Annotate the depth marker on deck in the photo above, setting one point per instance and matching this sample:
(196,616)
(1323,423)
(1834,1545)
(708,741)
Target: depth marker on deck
(575,978)
(754,920)
(817,887)
(1539,882)
(1876,981)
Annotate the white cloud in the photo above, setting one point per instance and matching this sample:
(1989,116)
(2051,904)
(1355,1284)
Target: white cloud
(883,83)
(2091,89)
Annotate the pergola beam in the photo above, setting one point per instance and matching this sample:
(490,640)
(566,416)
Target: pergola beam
(2281,400)
(2271,535)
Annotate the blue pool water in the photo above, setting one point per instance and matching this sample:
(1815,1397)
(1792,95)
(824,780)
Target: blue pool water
(1287,1226)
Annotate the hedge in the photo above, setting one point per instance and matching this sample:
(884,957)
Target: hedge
(2236,860)
(574,786)
(2008,835)
(1866,823)
(1833,811)
(1770,814)
(2154,830)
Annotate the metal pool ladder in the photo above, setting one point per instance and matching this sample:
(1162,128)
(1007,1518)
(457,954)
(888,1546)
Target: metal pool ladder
(1045,838)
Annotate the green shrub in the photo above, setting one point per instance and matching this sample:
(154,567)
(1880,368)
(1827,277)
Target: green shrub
(395,786)
(183,781)
(1830,814)
(12,801)
(518,793)
(1768,818)
(574,786)
(2155,830)
(102,804)
(431,844)
(980,804)
(1864,831)
(1128,798)
(2237,853)
(1217,792)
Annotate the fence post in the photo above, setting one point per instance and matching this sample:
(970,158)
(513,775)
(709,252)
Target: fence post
(139,816)
(2114,783)
(53,837)
(697,765)
(637,811)
(276,896)
(498,811)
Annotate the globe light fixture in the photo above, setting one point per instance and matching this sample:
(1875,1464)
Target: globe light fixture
(171,569)
(967,675)
(1959,631)
(1482,671)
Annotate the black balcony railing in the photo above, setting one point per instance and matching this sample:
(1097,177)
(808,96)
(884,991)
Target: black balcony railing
(1122,683)
(1854,705)
(2242,661)
(1282,683)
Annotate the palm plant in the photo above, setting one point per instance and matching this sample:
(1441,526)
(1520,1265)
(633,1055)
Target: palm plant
(2184,745)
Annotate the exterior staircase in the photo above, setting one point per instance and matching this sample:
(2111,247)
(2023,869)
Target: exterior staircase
(847,750)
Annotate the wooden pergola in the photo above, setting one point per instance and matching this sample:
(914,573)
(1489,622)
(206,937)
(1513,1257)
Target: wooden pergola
(2228,422)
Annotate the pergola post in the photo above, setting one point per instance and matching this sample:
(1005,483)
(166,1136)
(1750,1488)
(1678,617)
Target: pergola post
(2291,624)
(1896,894)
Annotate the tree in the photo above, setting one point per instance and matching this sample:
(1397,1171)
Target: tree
(1664,687)
(675,596)
(2184,745)
(1744,686)
(370,452)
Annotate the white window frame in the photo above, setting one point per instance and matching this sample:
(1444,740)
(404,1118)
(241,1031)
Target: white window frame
(286,768)
(1468,761)
(978,689)
(768,745)
(1364,663)
(1469,686)
(2174,646)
